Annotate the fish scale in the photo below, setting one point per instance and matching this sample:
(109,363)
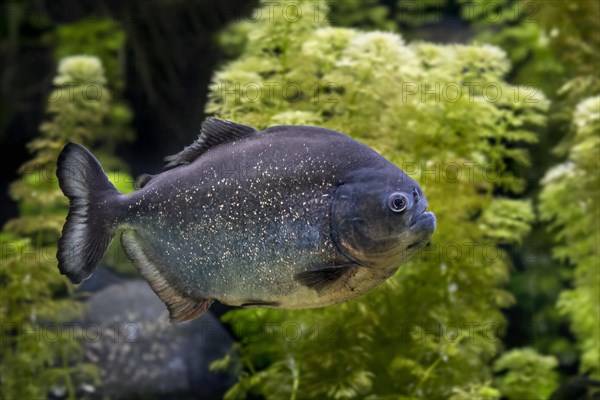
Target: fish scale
(282,236)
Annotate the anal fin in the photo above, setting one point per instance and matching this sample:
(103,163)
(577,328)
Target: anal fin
(322,278)
(180,306)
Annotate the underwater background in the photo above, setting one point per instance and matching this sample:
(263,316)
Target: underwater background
(492,106)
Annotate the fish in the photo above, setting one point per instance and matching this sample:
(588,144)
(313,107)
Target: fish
(288,217)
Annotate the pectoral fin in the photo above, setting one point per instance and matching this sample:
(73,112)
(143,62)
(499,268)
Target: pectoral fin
(322,278)
(260,303)
(181,307)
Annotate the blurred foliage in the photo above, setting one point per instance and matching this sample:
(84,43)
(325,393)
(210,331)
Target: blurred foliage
(102,38)
(507,221)
(554,45)
(368,14)
(446,116)
(526,375)
(414,14)
(39,350)
(574,29)
(482,391)
(570,201)
(514,26)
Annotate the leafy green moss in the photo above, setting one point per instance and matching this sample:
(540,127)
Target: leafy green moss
(102,38)
(570,201)
(526,374)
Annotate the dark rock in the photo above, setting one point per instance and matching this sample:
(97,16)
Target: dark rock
(140,354)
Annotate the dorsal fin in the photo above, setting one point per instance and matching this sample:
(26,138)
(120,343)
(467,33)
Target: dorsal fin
(214,132)
(142,180)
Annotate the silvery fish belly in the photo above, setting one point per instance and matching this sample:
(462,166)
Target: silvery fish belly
(290,217)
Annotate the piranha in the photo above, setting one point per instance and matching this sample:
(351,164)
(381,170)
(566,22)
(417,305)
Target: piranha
(290,217)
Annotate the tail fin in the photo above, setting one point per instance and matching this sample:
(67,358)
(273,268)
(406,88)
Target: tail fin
(90,226)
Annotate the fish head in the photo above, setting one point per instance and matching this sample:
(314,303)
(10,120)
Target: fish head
(379,217)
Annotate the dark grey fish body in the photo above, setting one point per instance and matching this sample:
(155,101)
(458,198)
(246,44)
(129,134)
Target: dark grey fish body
(271,218)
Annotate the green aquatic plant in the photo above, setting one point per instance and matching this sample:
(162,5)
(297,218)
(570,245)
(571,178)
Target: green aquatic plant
(551,45)
(39,349)
(100,37)
(515,26)
(446,115)
(525,374)
(368,14)
(570,201)
(105,39)
(482,391)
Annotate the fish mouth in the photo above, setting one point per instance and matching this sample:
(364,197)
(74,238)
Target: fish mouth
(424,226)
(424,222)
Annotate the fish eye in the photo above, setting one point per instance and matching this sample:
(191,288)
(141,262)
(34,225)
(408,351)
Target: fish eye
(397,202)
